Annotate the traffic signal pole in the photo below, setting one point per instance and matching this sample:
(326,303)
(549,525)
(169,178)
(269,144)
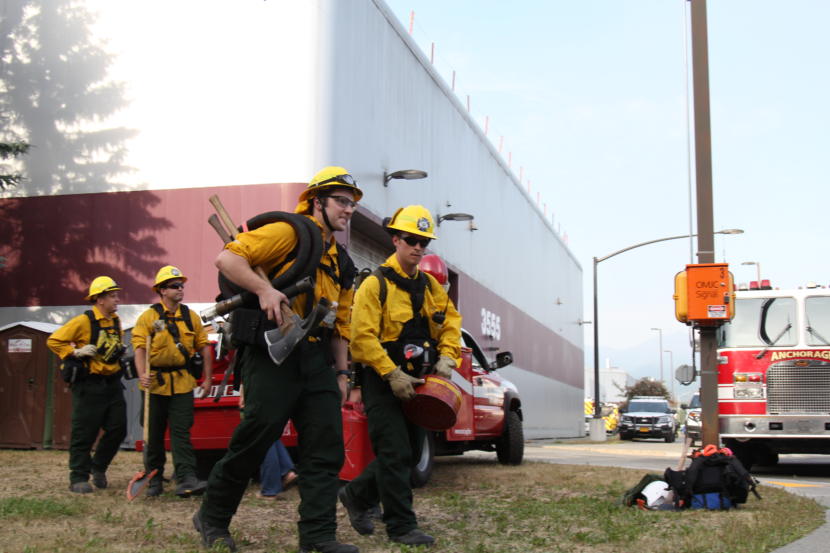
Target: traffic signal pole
(705,225)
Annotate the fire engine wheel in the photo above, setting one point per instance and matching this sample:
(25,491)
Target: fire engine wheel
(510,447)
(423,468)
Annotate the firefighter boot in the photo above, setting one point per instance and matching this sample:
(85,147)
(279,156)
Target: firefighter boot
(414,538)
(156,486)
(80,487)
(212,534)
(190,485)
(359,518)
(329,547)
(99,478)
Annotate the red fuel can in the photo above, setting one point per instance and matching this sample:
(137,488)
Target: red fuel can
(356,442)
(436,405)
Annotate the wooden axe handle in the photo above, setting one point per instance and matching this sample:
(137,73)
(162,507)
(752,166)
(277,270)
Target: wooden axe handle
(223,214)
(220,230)
(232,231)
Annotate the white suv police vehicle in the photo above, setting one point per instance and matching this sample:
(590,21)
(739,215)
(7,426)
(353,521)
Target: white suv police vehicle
(648,417)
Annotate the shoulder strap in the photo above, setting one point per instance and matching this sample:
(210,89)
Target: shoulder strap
(346,266)
(186,316)
(383,286)
(415,286)
(94,327)
(172,328)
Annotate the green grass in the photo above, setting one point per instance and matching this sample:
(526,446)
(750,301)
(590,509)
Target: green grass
(472,505)
(24,507)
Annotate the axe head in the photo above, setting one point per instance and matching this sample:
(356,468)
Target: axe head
(282,341)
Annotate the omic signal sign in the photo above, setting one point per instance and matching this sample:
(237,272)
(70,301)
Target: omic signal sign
(704,294)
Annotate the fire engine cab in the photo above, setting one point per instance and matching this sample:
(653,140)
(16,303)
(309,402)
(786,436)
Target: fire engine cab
(774,374)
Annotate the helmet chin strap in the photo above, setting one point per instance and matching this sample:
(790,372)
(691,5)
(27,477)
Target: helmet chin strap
(325,215)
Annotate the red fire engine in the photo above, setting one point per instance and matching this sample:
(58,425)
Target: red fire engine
(774,374)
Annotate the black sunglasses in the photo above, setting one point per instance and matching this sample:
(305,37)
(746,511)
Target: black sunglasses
(343,201)
(413,240)
(343,179)
(175,286)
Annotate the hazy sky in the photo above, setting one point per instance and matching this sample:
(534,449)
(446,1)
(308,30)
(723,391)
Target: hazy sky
(590,98)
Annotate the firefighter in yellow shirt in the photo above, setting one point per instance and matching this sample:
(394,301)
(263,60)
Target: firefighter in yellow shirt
(397,306)
(309,386)
(180,352)
(91,343)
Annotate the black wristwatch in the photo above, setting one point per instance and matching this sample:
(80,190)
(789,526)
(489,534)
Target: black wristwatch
(344,372)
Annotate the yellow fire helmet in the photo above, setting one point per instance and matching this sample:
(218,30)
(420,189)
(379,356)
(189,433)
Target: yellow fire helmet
(331,177)
(168,272)
(414,219)
(100,285)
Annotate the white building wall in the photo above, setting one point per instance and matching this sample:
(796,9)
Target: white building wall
(391,111)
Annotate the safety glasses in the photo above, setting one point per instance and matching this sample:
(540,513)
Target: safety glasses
(175,286)
(416,240)
(346,179)
(343,201)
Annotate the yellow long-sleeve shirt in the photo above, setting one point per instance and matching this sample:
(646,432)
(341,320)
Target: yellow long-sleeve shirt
(164,352)
(373,324)
(78,333)
(269,245)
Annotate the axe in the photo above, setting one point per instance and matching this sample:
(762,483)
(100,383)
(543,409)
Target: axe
(226,306)
(282,341)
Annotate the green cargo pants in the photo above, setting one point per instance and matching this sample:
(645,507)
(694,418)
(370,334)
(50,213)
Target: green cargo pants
(97,404)
(397,445)
(304,389)
(177,410)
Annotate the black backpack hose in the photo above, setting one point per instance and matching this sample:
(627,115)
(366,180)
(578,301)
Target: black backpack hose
(306,255)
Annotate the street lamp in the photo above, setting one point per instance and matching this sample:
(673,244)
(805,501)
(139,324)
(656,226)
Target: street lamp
(405,174)
(597,424)
(757,269)
(660,350)
(671,368)
(454,217)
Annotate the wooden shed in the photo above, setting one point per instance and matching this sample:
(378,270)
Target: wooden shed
(34,405)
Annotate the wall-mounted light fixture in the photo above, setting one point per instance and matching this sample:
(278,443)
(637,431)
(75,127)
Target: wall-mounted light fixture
(454,217)
(405,174)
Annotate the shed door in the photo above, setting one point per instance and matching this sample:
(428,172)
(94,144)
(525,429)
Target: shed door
(23,360)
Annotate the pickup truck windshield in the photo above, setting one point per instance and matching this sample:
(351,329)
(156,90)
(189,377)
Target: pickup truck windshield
(695,404)
(759,322)
(648,406)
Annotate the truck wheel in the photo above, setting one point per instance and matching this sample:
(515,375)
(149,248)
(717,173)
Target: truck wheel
(423,468)
(510,447)
(670,438)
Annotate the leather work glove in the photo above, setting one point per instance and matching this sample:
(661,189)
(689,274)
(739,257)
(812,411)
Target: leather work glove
(87,351)
(402,384)
(444,367)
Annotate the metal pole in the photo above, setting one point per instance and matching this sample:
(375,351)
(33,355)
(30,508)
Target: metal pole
(706,239)
(597,425)
(660,345)
(597,410)
(660,350)
(671,367)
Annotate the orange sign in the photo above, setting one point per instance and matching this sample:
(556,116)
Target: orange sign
(710,294)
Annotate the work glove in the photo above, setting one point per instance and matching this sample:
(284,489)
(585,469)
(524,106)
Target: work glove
(444,366)
(87,351)
(402,384)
